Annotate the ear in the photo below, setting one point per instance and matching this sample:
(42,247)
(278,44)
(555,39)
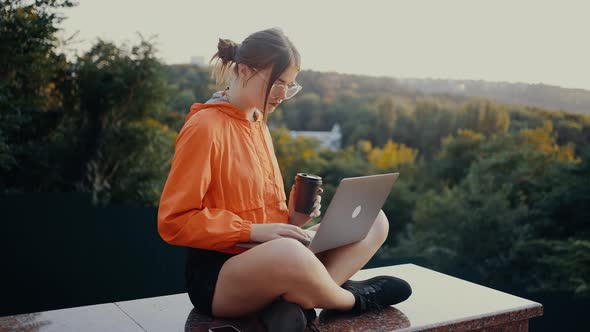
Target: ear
(244,72)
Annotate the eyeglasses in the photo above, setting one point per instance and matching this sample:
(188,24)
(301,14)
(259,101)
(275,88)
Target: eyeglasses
(286,91)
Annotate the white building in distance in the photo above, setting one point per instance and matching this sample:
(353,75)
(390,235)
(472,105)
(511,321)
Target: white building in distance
(328,139)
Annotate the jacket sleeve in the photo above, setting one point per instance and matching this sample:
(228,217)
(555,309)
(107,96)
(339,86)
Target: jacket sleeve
(182,218)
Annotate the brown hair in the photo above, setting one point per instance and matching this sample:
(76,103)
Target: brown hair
(260,50)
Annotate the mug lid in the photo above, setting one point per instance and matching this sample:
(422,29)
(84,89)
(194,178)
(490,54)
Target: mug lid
(309,176)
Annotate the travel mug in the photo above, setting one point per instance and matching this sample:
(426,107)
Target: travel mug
(306,189)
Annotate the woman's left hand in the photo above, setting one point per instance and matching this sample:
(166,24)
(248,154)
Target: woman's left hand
(300,219)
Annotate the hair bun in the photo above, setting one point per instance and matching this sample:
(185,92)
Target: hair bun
(227,50)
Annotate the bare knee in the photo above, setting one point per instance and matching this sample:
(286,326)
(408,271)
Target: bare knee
(380,228)
(295,267)
(292,260)
(271,269)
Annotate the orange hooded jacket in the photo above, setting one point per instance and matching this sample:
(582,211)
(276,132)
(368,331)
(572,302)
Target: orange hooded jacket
(224,177)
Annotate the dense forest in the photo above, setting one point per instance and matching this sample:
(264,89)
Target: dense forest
(540,95)
(496,193)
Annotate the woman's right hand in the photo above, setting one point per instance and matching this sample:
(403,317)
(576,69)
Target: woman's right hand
(267,232)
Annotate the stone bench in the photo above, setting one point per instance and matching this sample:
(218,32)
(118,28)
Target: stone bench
(439,303)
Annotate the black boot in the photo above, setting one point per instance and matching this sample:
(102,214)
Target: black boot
(377,293)
(283,316)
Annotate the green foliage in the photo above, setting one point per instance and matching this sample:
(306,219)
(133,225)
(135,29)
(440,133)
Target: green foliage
(34,80)
(519,211)
(484,117)
(119,91)
(187,84)
(555,266)
(97,125)
(457,154)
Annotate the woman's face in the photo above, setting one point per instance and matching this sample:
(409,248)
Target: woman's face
(256,87)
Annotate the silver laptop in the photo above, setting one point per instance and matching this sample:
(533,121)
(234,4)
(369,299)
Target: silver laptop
(351,213)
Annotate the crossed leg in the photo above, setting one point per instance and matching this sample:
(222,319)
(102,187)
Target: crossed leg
(284,267)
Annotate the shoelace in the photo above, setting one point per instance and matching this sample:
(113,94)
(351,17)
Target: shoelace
(368,299)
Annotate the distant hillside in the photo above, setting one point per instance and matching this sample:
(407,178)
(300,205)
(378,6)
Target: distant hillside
(540,95)
(330,83)
(193,82)
(381,108)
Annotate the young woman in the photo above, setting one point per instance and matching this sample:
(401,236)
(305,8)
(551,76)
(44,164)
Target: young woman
(225,187)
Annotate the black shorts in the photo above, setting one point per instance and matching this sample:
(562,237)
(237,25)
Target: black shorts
(201,273)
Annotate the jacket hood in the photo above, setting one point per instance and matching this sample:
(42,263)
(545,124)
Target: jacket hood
(220,102)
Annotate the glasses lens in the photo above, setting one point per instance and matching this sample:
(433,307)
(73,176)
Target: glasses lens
(283,91)
(279,91)
(292,90)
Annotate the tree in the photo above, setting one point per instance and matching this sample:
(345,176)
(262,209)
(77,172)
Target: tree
(98,125)
(391,156)
(456,156)
(122,96)
(519,208)
(485,117)
(541,140)
(35,84)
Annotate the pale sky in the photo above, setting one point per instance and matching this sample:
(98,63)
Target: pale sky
(515,41)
